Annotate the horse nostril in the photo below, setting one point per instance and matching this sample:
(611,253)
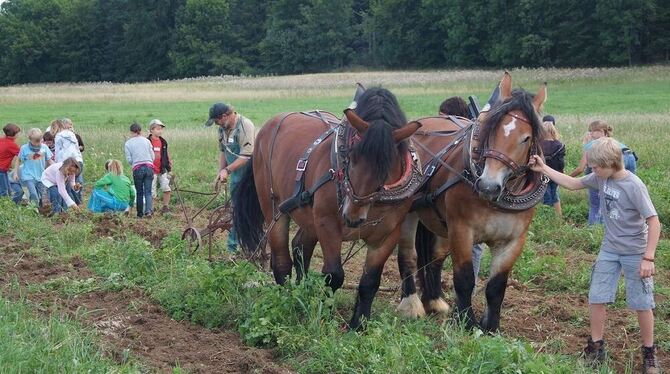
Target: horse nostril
(489,189)
(353,223)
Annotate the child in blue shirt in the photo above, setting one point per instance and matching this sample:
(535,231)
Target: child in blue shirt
(35,158)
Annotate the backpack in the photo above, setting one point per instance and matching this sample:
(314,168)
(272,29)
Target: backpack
(551,159)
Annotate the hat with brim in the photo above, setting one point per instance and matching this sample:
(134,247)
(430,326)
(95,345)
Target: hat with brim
(155,123)
(216,111)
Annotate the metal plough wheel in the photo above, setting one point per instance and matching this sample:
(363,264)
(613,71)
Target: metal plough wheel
(193,239)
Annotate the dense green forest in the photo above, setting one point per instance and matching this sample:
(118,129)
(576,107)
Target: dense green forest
(140,40)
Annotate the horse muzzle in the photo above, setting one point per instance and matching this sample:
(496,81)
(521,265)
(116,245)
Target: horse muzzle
(354,215)
(487,189)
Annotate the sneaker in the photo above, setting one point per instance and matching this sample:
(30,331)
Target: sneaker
(650,364)
(165,209)
(594,352)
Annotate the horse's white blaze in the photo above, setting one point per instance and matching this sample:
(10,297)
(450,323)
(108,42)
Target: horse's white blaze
(411,307)
(510,127)
(439,306)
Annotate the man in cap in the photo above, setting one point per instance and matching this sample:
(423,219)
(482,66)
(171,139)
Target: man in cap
(236,142)
(162,163)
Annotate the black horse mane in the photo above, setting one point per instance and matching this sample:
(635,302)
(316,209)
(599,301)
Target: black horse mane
(520,100)
(380,109)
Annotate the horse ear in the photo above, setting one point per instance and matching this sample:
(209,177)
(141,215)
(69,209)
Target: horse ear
(360,90)
(540,98)
(356,121)
(506,85)
(493,100)
(406,131)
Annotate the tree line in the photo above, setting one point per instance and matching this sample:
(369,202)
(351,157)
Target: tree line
(140,40)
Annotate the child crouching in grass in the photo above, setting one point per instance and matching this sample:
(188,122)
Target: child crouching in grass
(113,192)
(56,178)
(632,231)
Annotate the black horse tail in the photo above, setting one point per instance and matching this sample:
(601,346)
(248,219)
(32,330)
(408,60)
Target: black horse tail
(247,214)
(430,273)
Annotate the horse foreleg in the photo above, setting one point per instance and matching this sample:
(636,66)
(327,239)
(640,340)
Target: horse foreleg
(464,278)
(280,258)
(303,244)
(501,265)
(410,304)
(329,234)
(369,284)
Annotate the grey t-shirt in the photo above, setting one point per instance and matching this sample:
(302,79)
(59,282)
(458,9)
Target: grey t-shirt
(625,206)
(138,150)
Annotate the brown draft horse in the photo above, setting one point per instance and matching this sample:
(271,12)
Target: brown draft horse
(469,211)
(346,205)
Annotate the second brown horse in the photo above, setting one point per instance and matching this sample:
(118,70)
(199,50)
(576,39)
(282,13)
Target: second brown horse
(345,201)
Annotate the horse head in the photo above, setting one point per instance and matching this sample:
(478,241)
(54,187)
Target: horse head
(510,131)
(377,156)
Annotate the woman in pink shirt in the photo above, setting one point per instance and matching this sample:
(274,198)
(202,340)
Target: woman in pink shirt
(55,178)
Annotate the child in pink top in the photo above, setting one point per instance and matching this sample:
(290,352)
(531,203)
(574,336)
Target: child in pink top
(55,178)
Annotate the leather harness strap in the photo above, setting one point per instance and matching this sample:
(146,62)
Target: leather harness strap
(301,197)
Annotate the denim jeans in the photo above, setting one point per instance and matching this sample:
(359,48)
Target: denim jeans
(17,192)
(9,188)
(35,191)
(4,184)
(57,202)
(629,162)
(143,176)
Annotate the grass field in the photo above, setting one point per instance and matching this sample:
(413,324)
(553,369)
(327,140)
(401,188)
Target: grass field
(296,321)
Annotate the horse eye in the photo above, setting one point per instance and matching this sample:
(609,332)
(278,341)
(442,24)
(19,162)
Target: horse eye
(525,140)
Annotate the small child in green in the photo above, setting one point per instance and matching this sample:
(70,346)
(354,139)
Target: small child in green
(113,192)
(632,231)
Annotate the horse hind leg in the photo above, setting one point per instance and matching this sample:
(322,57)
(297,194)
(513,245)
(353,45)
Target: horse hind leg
(410,304)
(302,246)
(280,257)
(432,252)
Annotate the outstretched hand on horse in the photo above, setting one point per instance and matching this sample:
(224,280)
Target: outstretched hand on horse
(536,163)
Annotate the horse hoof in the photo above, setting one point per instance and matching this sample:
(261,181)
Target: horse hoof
(438,306)
(411,307)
